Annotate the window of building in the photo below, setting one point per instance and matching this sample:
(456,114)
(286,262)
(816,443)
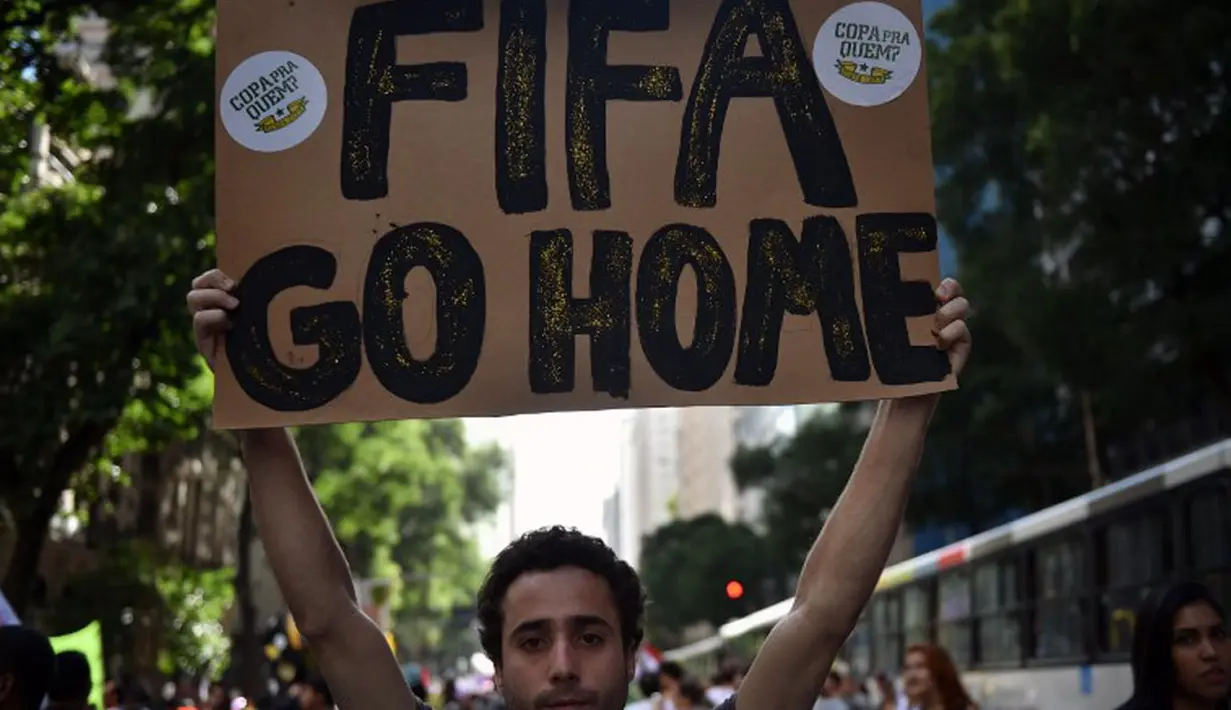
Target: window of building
(916,614)
(1059,574)
(998,612)
(858,650)
(1208,539)
(1133,560)
(887,633)
(954,632)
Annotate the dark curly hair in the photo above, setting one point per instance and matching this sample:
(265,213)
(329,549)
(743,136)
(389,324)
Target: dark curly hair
(551,548)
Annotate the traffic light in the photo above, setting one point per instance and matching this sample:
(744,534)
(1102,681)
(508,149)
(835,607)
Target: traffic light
(735,590)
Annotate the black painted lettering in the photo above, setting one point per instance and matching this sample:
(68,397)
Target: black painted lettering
(699,366)
(783,72)
(815,274)
(888,302)
(333,327)
(461,312)
(592,83)
(521,175)
(556,318)
(374,81)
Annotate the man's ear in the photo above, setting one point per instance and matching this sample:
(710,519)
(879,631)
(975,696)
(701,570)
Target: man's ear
(498,680)
(630,664)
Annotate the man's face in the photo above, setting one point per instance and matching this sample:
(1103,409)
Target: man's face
(562,645)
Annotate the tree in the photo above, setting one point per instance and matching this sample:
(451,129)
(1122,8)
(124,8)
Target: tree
(1085,192)
(139,587)
(1003,443)
(94,266)
(400,495)
(802,478)
(686,565)
(1088,207)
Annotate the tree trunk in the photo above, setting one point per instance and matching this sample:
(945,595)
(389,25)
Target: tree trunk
(149,495)
(33,518)
(1093,467)
(246,653)
(31,534)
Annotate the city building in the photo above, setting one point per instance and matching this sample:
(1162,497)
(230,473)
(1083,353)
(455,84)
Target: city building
(648,480)
(706,444)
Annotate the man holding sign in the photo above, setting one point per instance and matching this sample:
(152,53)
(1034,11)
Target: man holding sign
(561,617)
(442,208)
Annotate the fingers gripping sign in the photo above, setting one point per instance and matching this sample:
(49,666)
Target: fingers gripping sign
(210,302)
(952,334)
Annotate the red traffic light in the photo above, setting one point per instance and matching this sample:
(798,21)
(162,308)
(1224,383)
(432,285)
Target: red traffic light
(735,590)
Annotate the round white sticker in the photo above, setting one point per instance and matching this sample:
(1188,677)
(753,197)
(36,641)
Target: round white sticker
(867,54)
(273,101)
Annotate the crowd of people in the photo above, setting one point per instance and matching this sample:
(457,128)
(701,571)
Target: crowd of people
(929,681)
(33,676)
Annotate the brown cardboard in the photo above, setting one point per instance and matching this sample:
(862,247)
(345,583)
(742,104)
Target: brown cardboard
(442,169)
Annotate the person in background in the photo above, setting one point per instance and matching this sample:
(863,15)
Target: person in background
(1181,656)
(724,684)
(315,695)
(931,680)
(133,695)
(831,694)
(448,695)
(885,696)
(691,696)
(670,676)
(71,684)
(647,683)
(27,668)
(219,698)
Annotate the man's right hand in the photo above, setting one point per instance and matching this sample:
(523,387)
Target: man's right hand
(210,302)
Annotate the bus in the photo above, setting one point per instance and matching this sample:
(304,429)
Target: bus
(1038,614)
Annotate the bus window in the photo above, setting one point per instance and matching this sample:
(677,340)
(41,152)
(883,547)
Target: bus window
(1133,562)
(917,614)
(1208,540)
(999,619)
(858,649)
(887,633)
(1059,574)
(954,630)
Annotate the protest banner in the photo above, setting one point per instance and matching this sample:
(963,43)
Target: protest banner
(464,208)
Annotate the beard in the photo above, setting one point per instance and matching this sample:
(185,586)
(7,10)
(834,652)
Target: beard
(612,696)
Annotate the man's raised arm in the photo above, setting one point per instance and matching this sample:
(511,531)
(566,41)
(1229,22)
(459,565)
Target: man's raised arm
(308,563)
(846,560)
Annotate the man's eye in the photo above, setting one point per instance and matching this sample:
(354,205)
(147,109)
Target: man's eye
(591,639)
(532,644)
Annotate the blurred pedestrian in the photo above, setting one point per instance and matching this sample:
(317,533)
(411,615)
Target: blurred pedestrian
(1181,655)
(71,684)
(932,681)
(27,668)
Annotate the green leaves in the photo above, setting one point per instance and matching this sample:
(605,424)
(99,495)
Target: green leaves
(400,495)
(686,565)
(137,588)
(95,264)
(1096,246)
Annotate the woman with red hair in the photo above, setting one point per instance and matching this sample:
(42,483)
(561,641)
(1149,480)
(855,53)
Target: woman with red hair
(931,681)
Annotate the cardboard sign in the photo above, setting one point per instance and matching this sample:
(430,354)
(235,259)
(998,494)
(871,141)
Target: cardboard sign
(467,207)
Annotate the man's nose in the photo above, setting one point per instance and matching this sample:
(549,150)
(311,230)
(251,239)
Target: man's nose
(563,661)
